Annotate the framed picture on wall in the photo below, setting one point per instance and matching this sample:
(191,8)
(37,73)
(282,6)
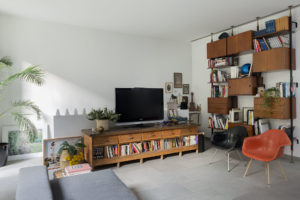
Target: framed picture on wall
(177,80)
(186,88)
(169,87)
(22,144)
(51,147)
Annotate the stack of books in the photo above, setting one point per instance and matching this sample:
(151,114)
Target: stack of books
(219,91)
(193,140)
(271,43)
(284,89)
(112,151)
(218,76)
(125,150)
(184,141)
(77,169)
(217,121)
(270,28)
(136,148)
(220,62)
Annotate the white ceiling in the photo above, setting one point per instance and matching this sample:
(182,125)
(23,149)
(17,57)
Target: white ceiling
(174,19)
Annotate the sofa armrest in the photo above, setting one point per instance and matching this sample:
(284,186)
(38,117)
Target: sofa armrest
(33,184)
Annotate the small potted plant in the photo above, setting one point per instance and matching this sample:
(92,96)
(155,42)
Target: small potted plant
(270,96)
(70,154)
(103,117)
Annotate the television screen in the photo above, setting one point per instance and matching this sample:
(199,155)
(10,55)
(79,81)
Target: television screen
(139,104)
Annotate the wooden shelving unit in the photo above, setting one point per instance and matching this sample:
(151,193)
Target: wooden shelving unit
(265,61)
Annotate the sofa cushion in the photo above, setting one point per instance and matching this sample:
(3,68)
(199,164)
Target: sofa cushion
(34,184)
(103,184)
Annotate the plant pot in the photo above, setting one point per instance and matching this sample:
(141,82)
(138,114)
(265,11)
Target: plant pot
(63,162)
(3,153)
(102,125)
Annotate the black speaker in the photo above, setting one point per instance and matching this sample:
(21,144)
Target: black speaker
(201,143)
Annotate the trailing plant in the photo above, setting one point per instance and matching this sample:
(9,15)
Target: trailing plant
(103,114)
(270,97)
(72,149)
(32,74)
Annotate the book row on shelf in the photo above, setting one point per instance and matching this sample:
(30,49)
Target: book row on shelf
(218,121)
(112,151)
(264,44)
(221,62)
(137,148)
(219,91)
(218,76)
(274,25)
(284,89)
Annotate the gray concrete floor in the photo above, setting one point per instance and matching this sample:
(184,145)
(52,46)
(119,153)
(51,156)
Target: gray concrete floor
(188,177)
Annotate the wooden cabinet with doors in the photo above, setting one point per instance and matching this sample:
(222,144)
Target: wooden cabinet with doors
(242,86)
(216,49)
(239,43)
(273,59)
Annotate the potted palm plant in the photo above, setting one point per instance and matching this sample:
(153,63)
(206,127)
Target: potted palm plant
(32,74)
(103,117)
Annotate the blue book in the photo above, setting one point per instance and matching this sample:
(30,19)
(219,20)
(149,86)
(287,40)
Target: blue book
(263,45)
(270,26)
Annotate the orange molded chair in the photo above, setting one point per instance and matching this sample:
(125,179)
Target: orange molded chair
(266,147)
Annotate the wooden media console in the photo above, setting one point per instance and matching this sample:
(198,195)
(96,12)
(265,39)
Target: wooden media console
(124,144)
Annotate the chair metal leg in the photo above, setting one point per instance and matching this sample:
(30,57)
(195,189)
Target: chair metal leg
(248,167)
(282,171)
(228,161)
(268,168)
(211,159)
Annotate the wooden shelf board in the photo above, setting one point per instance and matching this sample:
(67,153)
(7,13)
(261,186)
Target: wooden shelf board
(223,82)
(222,67)
(283,32)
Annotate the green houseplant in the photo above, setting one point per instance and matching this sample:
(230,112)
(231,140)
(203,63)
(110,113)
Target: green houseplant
(270,96)
(19,110)
(70,154)
(102,117)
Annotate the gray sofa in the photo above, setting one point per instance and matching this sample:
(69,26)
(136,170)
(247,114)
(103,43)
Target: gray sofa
(34,184)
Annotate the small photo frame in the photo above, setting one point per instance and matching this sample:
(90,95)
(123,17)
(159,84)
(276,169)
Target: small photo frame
(51,147)
(186,88)
(169,87)
(177,80)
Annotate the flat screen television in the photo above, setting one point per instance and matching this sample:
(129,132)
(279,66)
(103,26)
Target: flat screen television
(140,104)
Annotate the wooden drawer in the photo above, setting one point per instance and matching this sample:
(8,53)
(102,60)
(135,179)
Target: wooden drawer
(219,105)
(130,138)
(273,60)
(242,86)
(188,131)
(279,110)
(216,49)
(171,133)
(151,136)
(108,140)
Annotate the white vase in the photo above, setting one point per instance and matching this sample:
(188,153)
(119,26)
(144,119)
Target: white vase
(102,125)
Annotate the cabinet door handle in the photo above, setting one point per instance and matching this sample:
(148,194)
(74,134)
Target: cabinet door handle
(131,138)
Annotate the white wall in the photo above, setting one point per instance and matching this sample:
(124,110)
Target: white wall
(200,75)
(83,66)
